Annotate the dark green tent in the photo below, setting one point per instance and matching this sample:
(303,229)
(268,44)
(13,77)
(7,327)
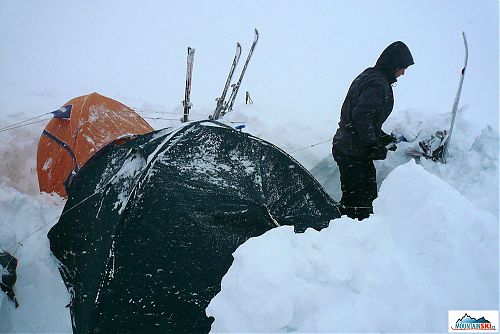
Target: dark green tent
(150,225)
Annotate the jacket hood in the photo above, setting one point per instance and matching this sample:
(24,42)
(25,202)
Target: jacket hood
(396,56)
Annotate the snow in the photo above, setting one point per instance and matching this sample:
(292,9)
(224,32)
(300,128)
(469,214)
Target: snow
(417,254)
(24,223)
(130,170)
(432,243)
(47,164)
(419,250)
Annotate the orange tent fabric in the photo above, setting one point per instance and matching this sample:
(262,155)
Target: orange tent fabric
(78,130)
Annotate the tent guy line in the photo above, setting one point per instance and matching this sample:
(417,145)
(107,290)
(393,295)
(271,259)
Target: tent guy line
(19,243)
(312,145)
(96,192)
(20,123)
(23,125)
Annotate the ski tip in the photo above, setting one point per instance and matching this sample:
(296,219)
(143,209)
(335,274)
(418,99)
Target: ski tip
(255,37)
(464,37)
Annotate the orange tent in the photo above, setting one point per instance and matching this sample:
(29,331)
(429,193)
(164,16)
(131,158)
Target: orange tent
(78,130)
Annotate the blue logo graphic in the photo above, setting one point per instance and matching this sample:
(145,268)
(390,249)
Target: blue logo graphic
(469,323)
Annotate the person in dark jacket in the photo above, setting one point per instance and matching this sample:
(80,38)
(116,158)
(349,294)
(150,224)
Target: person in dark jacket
(359,139)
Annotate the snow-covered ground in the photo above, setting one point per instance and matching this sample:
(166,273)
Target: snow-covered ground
(432,243)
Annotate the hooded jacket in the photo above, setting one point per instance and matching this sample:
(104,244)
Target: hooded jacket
(368,104)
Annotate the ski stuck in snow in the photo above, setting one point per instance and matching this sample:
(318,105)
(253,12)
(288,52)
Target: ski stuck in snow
(187,92)
(223,107)
(436,146)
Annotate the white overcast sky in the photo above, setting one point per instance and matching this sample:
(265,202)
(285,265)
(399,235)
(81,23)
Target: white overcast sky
(308,53)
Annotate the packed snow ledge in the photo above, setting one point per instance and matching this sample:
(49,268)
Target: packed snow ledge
(426,250)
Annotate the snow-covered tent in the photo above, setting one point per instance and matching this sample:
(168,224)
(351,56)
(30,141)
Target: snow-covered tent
(78,130)
(150,225)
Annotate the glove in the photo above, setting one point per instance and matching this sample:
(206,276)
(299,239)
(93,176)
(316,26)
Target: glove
(377,153)
(386,139)
(392,147)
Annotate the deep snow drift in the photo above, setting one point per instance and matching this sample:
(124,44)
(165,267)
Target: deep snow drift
(433,236)
(400,270)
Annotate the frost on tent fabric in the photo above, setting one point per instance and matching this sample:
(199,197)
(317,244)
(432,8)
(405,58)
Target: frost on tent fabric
(157,220)
(78,130)
(8,276)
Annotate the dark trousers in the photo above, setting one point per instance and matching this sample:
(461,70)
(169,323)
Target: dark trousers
(358,181)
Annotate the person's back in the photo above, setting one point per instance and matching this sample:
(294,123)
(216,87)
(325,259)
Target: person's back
(346,139)
(359,138)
